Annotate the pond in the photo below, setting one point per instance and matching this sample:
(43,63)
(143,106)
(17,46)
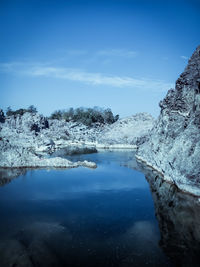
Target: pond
(80,217)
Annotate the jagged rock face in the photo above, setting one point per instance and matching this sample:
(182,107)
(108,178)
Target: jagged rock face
(27,122)
(174,143)
(130,130)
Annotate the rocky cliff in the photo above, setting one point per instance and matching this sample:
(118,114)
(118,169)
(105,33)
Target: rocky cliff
(130,130)
(173,147)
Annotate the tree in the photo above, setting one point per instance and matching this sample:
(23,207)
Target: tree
(32,109)
(56,115)
(20,111)
(87,116)
(9,111)
(108,116)
(2,116)
(117,117)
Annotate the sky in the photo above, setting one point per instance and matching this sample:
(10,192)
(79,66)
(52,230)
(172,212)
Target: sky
(122,54)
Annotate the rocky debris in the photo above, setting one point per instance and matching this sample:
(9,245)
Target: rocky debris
(173,147)
(131,130)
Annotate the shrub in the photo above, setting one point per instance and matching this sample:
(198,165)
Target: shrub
(87,116)
(2,116)
(31,109)
(56,115)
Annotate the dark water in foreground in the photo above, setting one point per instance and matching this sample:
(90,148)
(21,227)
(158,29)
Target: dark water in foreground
(80,217)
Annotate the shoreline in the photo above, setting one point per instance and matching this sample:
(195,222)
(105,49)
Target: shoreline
(190,190)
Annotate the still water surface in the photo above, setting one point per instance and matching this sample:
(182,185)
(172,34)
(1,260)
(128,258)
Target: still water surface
(80,217)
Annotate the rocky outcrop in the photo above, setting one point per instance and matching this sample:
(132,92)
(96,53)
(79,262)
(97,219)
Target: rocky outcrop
(131,130)
(26,139)
(20,157)
(173,147)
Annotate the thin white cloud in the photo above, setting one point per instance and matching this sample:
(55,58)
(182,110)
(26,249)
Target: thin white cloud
(117,53)
(102,53)
(184,57)
(77,52)
(77,75)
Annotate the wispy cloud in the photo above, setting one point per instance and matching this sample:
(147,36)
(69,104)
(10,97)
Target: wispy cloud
(104,52)
(184,57)
(92,78)
(77,52)
(117,53)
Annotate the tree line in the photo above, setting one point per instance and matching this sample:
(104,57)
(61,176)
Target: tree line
(87,116)
(21,111)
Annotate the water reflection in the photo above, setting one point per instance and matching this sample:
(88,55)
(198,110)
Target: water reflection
(7,175)
(178,216)
(80,217)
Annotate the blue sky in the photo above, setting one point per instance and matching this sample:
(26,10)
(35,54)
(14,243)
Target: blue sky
(118,54)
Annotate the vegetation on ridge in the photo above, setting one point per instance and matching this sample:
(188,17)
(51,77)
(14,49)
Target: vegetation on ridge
(87,116)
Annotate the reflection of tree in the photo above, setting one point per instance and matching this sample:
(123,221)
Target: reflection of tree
(7,175)
(178,216)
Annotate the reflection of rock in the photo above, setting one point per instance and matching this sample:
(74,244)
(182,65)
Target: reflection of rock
(129,161)
(142,242)
(40,244)
(13,253)
(74,150)
(178,215)
(6,175)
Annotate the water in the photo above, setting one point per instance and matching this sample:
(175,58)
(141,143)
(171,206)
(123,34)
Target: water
(80,217)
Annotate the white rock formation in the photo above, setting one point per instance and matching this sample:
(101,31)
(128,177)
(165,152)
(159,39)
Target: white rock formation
(128,131)
(26,139)
(173,147)
(19,157)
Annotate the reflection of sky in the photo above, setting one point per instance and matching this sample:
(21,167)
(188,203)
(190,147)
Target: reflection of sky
(73,183)
(43,185)
(108,210)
